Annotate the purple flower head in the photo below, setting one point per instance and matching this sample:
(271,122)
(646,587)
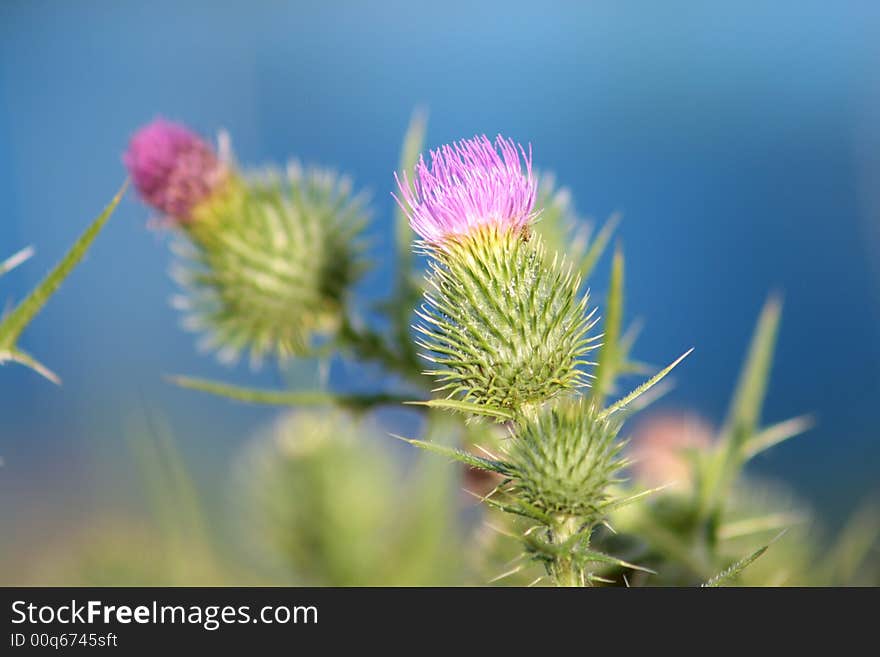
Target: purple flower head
(470,184)
(172,168)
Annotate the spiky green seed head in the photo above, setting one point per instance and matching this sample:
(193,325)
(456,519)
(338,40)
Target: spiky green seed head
(504,326)
(563,458)
(270,266)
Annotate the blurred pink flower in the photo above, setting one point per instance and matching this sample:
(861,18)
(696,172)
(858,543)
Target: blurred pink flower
(660,445)
(173,169)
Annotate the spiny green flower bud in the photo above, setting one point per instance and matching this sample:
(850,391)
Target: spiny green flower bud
(563,458)
(269,257)
(506,327)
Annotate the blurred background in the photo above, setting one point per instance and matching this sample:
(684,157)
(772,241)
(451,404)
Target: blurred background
(740,143)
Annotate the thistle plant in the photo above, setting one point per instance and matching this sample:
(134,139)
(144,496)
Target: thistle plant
(508,332)
(504,328)
(517,373)
(269,256)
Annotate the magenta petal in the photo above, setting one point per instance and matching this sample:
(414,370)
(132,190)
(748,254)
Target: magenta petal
(172,168)
(469,184)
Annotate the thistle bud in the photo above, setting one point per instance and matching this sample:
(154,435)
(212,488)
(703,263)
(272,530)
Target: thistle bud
(563,458)
(173,169)
(505,326)
(270,256)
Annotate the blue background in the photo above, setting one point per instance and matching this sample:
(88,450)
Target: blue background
(741,143)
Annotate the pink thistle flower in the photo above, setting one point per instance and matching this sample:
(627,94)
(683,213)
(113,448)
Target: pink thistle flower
(470,184)
(172,168)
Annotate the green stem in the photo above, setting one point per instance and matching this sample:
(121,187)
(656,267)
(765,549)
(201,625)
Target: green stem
(370,346)
(565,570)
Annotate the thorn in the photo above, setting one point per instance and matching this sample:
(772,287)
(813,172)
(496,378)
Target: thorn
(487,452)
(510,572)
(502,532)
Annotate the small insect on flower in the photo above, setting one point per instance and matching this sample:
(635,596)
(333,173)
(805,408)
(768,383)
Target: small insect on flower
(173,169)
(469,184)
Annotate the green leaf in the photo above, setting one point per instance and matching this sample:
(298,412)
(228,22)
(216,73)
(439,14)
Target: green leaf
(741,424)
(464,407)
(459,455)
(775,434)
(597,247)
(609,360)
(734,570)
(642,389)
(285,397)
(760,524)
(408,286)
(745,409)
(12,326)
(853,547)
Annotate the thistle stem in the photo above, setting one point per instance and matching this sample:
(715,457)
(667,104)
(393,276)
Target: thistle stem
(565,570)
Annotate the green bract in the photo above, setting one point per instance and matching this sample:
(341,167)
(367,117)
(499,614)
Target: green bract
(505,327)
(272,263)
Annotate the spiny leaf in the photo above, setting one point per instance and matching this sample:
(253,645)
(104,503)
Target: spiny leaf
(12,326)
(284,397)
(459,455)
(734,570)
(464,407)
(610,352)
(745,409)
(647,385)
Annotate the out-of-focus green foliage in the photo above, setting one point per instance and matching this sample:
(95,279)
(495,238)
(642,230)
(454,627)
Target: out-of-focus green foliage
(322,502)
(714,528)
